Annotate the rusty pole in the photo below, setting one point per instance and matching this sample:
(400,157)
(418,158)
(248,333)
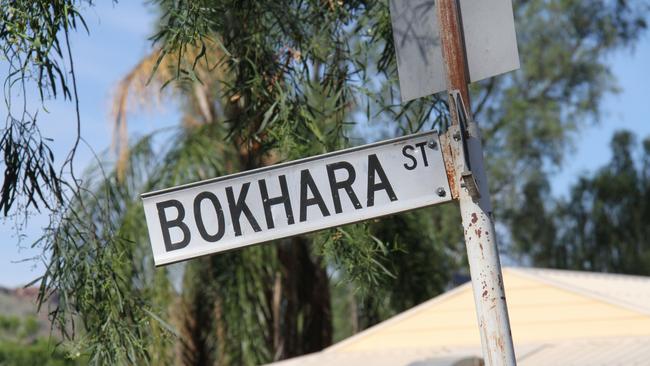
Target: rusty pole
(469,186)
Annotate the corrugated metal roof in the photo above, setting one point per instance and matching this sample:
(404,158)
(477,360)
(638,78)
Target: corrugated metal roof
(571,318)
(618,351)
(625,290)
(621,351)
(410,357)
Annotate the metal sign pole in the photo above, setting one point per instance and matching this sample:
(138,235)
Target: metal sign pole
(462,144)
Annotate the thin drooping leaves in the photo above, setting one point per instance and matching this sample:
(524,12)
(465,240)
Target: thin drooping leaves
(35,47)
(29,168)
(99,270)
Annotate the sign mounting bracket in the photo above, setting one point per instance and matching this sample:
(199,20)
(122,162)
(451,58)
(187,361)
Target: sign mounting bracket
(460,134)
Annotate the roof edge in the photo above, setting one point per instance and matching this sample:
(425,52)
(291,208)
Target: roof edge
(399,317)
(529,273)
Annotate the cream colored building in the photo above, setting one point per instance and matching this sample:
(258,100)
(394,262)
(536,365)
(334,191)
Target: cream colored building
(557,317)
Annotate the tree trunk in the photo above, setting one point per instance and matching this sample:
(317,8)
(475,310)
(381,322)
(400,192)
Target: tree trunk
(306,319)
(197,316)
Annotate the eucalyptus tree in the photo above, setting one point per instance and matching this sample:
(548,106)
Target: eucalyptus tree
(603,223)
(605,220)
(266,81)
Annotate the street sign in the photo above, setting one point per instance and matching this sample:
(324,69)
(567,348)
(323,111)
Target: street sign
(489,38)
(297,197)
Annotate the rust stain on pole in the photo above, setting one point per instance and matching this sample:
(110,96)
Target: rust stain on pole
(453,51)
(450,165)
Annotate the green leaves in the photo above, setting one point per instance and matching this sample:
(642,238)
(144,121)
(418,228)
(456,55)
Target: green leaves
(29,174)
(360,256)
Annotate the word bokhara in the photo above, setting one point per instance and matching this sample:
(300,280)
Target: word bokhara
(297,197)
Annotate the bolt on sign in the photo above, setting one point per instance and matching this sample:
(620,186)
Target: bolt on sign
(297,197)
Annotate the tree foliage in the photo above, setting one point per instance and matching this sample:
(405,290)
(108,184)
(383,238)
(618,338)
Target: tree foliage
(603,224)
(20,344)
(530,117)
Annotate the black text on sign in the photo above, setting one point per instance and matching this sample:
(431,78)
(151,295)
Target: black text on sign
(297,197)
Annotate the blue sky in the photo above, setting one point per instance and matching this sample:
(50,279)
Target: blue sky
(118,40)
(630,109)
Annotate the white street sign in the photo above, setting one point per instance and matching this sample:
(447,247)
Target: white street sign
(297,197)
(489,35)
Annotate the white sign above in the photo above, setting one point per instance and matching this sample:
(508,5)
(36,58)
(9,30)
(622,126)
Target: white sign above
(296,197)
(490,43)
